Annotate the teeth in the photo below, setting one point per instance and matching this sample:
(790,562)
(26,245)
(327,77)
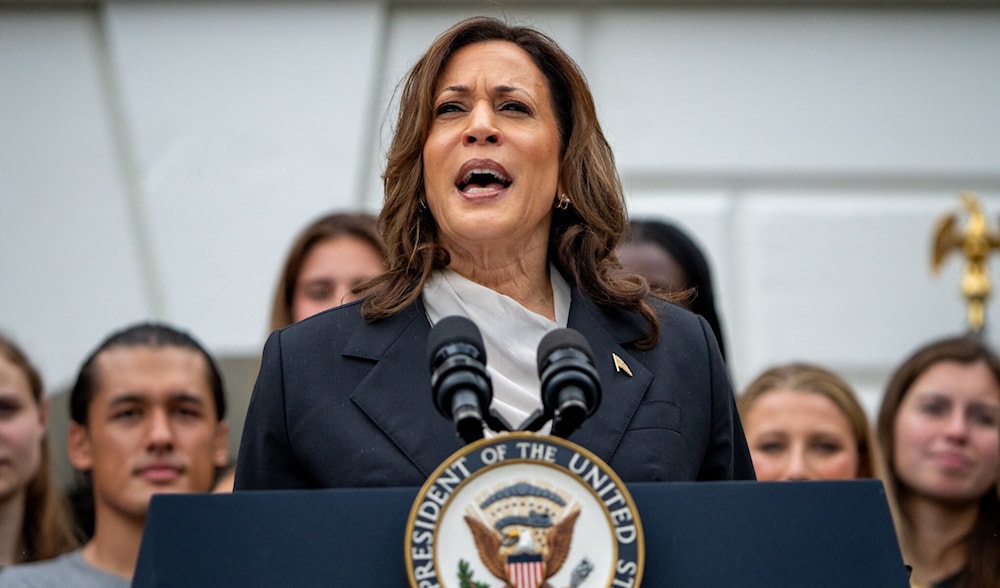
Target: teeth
(485,172)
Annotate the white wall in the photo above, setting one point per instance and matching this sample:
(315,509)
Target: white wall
(156,158)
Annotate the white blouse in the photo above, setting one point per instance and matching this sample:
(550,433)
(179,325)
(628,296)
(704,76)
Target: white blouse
(511,334)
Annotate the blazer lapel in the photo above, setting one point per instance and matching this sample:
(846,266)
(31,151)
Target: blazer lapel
(607,331)
(396,393)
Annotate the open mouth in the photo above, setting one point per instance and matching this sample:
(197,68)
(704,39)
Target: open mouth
(479,180)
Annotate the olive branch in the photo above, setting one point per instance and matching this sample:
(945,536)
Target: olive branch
(465,576)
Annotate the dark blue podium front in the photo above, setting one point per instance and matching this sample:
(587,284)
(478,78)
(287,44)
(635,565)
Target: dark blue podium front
(724,534)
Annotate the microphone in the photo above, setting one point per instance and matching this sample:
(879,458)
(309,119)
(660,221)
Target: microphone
(459,381)
(571,388)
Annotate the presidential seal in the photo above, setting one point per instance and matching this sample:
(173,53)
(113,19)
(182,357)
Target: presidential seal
(521,510)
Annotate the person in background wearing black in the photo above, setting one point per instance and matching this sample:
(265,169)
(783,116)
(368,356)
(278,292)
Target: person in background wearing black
(503,205)
(671,261)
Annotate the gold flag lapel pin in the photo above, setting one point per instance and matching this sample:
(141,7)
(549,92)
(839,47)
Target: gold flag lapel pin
(620,365)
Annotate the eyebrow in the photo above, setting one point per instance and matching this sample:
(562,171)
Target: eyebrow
(502,89)
(945,397)
(128,398)
(985,405)
(933,395)
(9,400)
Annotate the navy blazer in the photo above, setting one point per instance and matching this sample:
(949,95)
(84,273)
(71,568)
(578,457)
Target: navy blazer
(341,402)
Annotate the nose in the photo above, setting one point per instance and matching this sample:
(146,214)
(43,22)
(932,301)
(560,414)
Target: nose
(160,436)
(797,468)
(482,126)
(343,295)
(957,426)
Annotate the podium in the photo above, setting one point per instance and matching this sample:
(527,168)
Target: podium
(704,534)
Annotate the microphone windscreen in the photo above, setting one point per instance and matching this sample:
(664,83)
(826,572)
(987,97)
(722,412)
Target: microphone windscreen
(454,329)
(562,339)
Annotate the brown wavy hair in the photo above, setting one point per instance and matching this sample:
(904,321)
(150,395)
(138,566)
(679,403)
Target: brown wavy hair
(359,225)
(47,529)
(983,540)
(583,238)
(814,379)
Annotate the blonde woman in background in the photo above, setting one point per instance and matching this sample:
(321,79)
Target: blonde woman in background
(804,422)
(34,519)
(329,257)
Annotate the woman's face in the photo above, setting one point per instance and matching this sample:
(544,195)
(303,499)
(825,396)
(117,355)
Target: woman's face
(654,263)
(800,435)
(491,160)
(330,270)
(947,432)
(22,428)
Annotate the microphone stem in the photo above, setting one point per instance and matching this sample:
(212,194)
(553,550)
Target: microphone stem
(467,415)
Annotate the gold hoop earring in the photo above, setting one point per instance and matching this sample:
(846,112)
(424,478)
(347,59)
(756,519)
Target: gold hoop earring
(562,203)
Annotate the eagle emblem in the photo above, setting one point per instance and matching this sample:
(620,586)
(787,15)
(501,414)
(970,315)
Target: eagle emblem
(975,242)
(523,533)
(509,509)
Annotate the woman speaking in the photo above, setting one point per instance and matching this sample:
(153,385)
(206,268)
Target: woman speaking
(503,205)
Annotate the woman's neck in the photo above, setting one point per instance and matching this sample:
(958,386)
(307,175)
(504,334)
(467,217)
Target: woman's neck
(936,545)
(522,278)
(11,522)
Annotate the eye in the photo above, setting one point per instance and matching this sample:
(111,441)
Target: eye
(935,407)
(319,291)
(127,414)
(9,409)
(984,415)
(448,108)
(828,447)
(515,106)
(771,447)
(188,412)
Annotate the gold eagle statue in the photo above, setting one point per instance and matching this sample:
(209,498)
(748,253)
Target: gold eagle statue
(974,242)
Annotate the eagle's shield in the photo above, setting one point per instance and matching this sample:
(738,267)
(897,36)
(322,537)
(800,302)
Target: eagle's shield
(526,570)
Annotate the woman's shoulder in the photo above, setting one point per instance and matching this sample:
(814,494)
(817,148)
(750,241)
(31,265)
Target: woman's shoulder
(682,327)
(673,314)
(338,317)
(677,324)
(343,325)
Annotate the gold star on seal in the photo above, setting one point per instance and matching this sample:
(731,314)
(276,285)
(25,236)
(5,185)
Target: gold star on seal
(620,365)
